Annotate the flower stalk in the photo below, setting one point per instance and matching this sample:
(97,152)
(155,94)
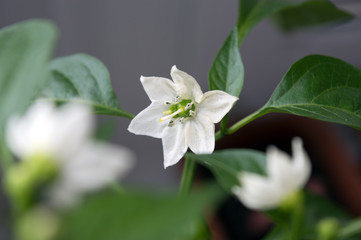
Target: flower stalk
(187,177)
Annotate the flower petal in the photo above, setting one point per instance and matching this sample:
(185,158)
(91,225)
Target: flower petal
(215,104)
(147,121)
(69,117)
(199,134)
(257,192)
(159,89)
(33,131)
(44,129)
(279,169)
(301,163)
(186,86)
(174,144)
(95,165)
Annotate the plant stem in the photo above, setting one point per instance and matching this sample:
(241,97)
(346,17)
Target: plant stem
(187,178)
(235,127)
(224,124)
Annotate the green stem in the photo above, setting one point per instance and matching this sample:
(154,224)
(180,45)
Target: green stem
(224,123)
(296,222)
(187,178)
(235,127)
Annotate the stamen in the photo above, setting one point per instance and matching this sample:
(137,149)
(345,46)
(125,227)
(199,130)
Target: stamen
(171,115)
(171,123)
(177,98)
(188,106)
(167,103)
(192,113)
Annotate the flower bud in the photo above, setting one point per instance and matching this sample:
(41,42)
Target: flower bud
(25,178)
(328,228)
(38,224)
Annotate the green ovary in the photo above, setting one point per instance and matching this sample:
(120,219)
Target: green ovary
(182,109)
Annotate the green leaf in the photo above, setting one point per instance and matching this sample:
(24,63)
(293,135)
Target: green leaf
(83,78)
(227,70)
(293,14)
(138,217)
(227,164)
(25,49)
(310,13)
(252,12)
(322,88)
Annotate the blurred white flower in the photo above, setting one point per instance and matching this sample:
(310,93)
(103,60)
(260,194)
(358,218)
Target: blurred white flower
(181,114)
(63,136)
(285,176)
(49,131)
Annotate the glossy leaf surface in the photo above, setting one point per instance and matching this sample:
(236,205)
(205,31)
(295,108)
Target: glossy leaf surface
(227,72)
(85,79)
(322,88)
(227,164)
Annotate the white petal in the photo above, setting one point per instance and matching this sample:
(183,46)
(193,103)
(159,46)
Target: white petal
(159,89)
(200,134)
(279,168)
(73,128)
(285,176)
(44,129)
(301,163)
(32,133)
(257,192)
(186,86)
(147,121)
(95,166)
(216,104)
(174,144)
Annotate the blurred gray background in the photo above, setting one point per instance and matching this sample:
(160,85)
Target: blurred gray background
(143,37)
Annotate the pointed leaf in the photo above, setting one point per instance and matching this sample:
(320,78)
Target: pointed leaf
(322,88)
(83,78)
(25,49)
(304,13)
(227,164)
(252,12)
(310,13)
(227,70)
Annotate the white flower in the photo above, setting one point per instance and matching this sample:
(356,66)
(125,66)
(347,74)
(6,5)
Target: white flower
(181,115)
(285,177)
(49,131)
(63,135)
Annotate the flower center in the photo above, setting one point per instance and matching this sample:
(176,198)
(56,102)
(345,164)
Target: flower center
(181,109)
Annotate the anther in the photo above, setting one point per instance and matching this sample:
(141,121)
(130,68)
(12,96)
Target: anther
(188,106)
(167,103)
(192,113)
(181,120)
(171,123)
(177,98)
